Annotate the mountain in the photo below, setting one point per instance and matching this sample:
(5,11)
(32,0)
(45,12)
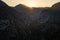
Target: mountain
(48,15)
(15,24)
(55,10)
(7,24)
(22,8)
(33,13)
(56,6)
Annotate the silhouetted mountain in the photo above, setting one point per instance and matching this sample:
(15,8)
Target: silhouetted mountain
(35,12)
(3,6)
(55,12)
(15,25)
(7,28)
(56,6)
(22,8)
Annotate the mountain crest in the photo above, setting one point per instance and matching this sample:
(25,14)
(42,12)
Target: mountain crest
(56,6)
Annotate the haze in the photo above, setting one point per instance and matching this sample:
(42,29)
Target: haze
(35,3)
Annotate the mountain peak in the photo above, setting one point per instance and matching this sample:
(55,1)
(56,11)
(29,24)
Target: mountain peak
(56,6)
(22,8)
(20,5)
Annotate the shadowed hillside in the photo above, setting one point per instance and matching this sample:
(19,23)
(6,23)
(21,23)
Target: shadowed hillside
(15,24)
(22,8)
(7,24)
(56,6)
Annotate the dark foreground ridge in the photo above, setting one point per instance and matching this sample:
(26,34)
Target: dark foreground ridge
(43,25)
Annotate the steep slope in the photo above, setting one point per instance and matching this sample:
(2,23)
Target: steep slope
(7,24)
(56,6)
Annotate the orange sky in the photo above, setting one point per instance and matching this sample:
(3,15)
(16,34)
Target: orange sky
(33,3)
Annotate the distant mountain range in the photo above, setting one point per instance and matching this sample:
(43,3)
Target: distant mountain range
(37,12)
(33,13)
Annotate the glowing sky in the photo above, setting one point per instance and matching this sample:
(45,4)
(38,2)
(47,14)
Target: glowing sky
(36,3)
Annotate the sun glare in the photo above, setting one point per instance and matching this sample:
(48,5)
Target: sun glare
(31,4)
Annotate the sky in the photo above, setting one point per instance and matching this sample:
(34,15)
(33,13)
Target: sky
(32,3)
